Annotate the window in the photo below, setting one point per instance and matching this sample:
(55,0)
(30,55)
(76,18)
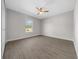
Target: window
(29,26)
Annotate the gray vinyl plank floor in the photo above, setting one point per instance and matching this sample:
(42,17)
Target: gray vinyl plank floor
(40,47)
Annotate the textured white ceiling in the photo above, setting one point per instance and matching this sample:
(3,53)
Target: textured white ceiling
(55,7)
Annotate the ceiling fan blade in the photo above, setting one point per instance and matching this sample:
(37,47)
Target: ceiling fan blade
(45,11)
(41,9)
(37,8)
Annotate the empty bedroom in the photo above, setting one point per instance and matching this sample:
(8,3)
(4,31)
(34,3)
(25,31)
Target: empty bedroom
(39,29)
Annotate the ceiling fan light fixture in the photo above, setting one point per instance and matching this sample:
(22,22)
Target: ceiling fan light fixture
(41,10)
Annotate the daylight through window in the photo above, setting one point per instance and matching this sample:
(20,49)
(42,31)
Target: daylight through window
(29,26)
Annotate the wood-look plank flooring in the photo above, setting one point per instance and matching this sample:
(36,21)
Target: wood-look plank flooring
(40,47)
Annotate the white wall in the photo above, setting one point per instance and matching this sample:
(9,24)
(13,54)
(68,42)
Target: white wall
(16,22)
(3,28)
(60,26)
(76,26)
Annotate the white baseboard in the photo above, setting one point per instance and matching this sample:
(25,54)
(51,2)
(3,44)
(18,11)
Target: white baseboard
(21,37)
(76,49)
(60,38)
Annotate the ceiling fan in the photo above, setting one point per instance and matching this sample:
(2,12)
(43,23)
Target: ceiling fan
(41,10)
